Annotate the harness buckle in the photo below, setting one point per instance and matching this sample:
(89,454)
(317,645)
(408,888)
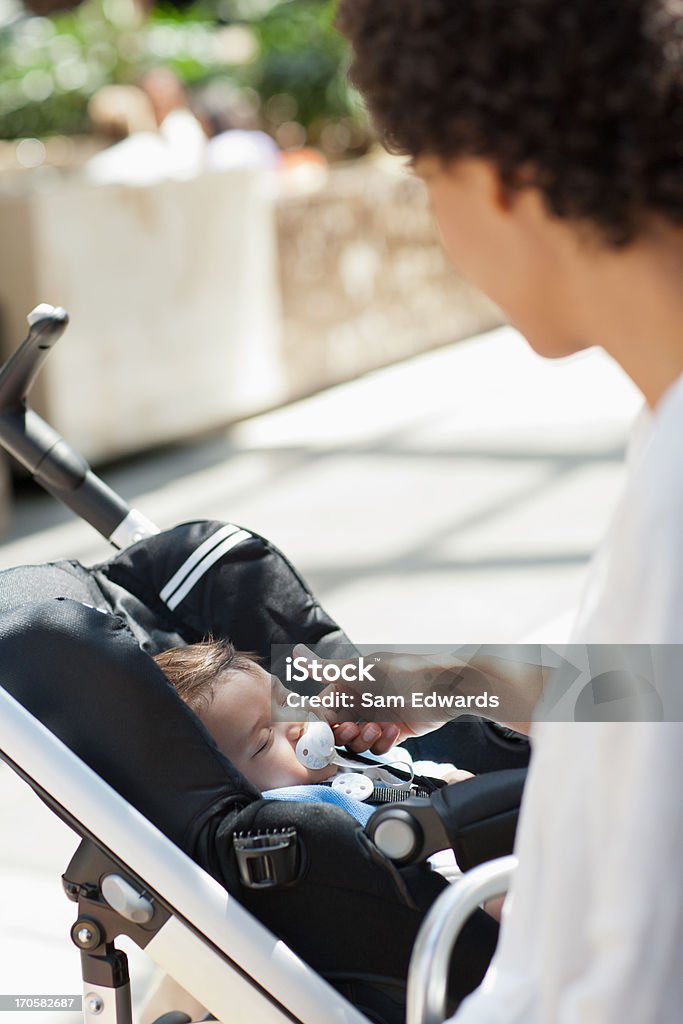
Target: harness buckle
(267,858)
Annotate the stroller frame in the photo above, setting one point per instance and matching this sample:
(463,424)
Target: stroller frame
(135,880)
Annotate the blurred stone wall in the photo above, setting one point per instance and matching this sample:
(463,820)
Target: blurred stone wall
(363,278)
(195,303)
(172,296)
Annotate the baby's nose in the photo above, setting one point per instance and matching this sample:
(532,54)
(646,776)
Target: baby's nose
(294,731)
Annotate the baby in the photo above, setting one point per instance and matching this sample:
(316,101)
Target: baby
(236,699)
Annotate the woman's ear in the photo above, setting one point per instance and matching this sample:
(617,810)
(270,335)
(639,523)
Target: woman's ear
(479,178)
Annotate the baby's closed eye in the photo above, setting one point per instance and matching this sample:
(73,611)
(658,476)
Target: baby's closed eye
(264,742)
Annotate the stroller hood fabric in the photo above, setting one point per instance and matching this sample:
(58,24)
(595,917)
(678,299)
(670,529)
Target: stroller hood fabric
(81,673)
(86,675)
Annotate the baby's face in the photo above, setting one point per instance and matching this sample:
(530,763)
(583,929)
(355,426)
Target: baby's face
(240,719)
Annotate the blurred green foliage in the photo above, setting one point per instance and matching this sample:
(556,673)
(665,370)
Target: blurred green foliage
(50,67)
(302,56)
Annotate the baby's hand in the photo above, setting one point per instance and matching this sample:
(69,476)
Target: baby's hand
(457,775)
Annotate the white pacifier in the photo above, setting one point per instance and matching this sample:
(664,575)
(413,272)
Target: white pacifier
(315,747)
(360,787)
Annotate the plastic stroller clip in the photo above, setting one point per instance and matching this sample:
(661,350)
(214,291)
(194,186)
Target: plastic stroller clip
(267,859)
(409,832)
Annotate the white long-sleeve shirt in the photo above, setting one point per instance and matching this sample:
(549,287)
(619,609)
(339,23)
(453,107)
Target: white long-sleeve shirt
(593,929)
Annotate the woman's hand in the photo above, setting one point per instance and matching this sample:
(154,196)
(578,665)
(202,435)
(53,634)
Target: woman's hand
(392,673)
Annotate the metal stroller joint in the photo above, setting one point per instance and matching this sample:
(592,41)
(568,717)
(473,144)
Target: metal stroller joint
(109,904)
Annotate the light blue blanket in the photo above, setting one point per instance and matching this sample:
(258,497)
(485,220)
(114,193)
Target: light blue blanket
(323,794)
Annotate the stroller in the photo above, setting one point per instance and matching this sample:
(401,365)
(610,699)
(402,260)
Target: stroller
(262,909)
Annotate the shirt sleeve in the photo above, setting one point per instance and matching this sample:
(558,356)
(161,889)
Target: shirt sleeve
(433,769)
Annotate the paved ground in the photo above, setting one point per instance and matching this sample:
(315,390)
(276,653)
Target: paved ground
(453,498)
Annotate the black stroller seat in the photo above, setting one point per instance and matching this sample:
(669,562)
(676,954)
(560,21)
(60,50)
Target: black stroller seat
(76,660)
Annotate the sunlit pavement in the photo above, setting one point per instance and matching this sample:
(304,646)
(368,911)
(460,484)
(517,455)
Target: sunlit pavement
(453,498)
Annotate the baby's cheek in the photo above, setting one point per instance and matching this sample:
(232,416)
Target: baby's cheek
(291,771)
(322,774)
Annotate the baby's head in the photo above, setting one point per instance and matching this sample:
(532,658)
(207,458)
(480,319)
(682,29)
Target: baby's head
(234,697)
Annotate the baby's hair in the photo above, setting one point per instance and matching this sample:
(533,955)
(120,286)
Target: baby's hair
(194,670)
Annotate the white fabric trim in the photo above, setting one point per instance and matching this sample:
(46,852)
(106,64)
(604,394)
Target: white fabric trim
(197,555)
(205,565)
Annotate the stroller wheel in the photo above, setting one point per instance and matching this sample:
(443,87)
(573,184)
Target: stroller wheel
(174,1017)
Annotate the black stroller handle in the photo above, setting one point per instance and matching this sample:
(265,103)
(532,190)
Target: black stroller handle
(477,819)
(46,326)
(50,460)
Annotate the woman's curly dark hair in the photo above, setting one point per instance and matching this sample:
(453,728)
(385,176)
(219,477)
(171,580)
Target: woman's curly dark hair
(581,98)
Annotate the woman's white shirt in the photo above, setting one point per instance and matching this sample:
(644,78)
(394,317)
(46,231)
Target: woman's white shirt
(593,928)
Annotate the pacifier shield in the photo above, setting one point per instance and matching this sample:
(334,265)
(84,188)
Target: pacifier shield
(315,748)
(359,787)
